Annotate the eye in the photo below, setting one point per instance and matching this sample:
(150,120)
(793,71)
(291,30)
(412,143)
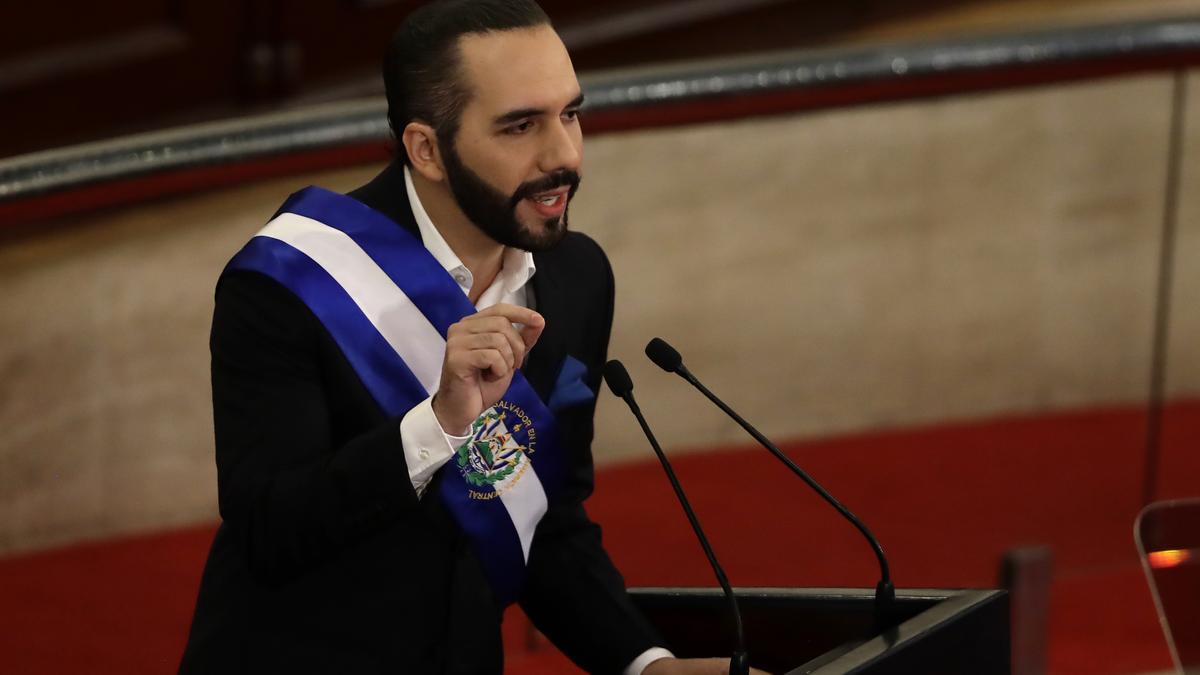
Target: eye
(519,128)
(572,115)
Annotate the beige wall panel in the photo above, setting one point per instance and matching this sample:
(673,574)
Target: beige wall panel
(995,16)
(848,270)
(105,404)
(1183,362)
(887,266)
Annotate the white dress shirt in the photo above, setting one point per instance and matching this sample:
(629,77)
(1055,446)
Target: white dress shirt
(426,446)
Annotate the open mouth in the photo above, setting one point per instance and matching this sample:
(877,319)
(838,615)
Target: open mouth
(550,204)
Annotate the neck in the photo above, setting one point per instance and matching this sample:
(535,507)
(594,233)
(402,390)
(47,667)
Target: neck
(481,254)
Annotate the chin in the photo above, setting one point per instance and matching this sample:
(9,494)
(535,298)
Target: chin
(553,226)
(543,236)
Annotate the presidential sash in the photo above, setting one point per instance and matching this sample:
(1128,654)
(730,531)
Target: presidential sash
(388,303)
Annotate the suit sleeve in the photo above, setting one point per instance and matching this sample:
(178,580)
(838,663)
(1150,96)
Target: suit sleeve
(288,495)
(574,594)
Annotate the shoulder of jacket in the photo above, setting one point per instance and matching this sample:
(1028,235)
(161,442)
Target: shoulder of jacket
(577,248)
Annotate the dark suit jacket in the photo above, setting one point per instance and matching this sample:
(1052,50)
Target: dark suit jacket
(326,561)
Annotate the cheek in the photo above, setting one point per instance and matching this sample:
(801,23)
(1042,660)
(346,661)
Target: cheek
(505,166)
(577,137)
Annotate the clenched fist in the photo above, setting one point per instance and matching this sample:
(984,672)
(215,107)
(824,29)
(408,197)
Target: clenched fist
(482,353)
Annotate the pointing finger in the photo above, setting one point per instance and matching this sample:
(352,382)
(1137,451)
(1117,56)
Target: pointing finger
(531,332)
(515,314)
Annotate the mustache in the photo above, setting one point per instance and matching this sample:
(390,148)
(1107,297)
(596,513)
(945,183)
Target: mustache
(560,178)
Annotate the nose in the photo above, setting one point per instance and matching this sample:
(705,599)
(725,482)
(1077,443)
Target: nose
(563,148)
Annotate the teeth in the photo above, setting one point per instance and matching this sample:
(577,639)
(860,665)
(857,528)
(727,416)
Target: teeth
(548,201)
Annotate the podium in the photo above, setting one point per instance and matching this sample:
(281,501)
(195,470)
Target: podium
(824,631)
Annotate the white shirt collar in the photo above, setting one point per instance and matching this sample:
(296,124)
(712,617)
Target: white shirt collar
(516,268)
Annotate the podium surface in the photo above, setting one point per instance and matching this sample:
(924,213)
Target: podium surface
(823,631)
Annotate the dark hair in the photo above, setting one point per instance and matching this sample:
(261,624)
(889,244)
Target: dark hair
(421,69)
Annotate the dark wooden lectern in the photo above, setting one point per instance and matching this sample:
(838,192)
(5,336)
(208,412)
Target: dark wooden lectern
(836,630)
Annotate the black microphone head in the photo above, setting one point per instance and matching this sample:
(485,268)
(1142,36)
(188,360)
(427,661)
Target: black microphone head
(664,355)
(617,378)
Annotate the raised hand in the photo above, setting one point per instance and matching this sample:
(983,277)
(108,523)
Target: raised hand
(482,353)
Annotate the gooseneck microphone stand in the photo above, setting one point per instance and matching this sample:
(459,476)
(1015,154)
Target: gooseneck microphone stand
(622,387)
(666,357)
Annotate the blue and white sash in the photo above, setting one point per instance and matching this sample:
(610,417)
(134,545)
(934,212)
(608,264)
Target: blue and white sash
(388,303)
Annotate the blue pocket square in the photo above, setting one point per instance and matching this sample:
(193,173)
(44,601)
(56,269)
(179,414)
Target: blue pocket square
(569,388)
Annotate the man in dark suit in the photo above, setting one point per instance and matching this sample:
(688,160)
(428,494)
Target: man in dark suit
(335,554)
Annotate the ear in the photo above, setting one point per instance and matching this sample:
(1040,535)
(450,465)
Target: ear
(420,143)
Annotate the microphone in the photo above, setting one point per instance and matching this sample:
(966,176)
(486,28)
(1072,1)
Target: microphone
(622,387)
(664,356)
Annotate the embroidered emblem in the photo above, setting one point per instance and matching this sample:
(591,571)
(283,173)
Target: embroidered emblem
(495,452)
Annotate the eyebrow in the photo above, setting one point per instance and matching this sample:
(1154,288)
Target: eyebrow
(522,113)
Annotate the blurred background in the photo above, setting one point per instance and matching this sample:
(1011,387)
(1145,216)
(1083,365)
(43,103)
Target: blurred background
(945,252)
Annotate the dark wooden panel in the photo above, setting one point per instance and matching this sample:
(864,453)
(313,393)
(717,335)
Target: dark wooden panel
(312,53)
(36,26)
(319,55)
(764,27)
(332,39)
(89,55)
(150,58)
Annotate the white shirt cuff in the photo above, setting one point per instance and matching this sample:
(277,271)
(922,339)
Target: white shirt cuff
(649,656)
(426,446)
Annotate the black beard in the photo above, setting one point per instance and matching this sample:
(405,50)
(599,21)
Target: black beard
(496,214)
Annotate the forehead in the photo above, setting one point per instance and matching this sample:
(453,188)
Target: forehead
(513,69)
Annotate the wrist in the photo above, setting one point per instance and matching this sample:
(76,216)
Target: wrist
(655,655)
(450,425)
(659,666)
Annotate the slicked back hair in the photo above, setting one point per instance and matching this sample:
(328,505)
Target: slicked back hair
(422,72)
